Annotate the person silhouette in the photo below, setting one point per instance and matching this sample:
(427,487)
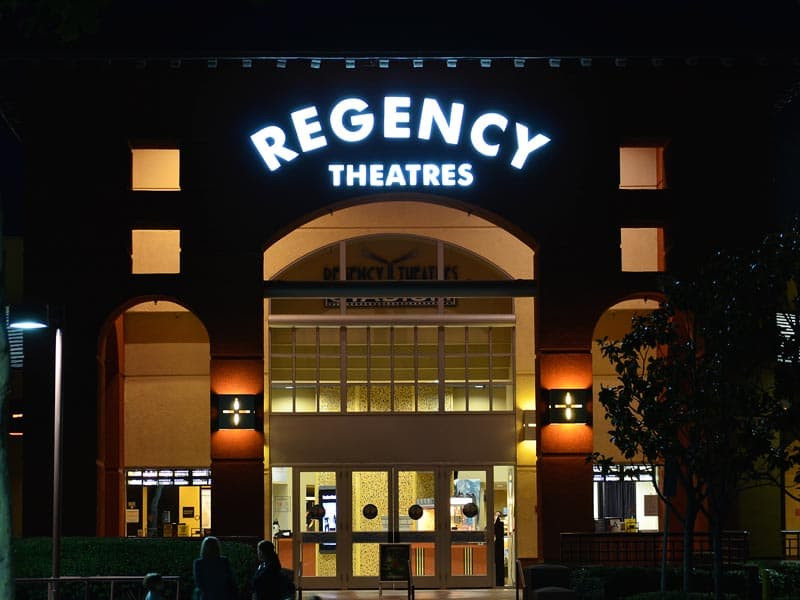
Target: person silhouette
(154,584)
(213,577)
(499,563)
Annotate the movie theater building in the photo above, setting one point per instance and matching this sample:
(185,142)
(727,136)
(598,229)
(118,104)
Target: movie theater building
(346,302)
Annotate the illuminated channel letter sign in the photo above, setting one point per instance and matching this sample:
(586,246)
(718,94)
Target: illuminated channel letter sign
(353,120)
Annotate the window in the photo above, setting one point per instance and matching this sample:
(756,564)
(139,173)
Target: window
(391,368)
(641,167)
(155,251)
(155,169)
(625,492)
(642,249)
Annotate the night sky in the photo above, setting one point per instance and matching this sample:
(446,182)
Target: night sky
(627,27)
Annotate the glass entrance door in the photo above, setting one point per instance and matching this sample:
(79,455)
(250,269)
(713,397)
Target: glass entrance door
(394,505)
(318,545)
(469,539)
(343,516)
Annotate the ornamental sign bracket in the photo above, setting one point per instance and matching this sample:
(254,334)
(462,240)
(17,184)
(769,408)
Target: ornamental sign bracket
(414,288)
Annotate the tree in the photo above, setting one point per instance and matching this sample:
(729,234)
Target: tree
(780,253)
(694,389)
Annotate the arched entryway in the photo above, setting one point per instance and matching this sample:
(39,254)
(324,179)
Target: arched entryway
(392,411)
(154,447)
(618,496)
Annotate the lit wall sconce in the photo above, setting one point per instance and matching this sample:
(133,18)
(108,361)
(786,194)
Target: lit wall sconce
(236,411)
(528,425)
(568,406)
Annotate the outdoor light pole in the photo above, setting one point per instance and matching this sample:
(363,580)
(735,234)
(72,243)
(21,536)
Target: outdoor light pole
(56,560)
(36,319)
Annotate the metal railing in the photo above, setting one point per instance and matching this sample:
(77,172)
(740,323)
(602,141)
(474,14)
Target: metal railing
(112,580)
(791,544)
(647,548)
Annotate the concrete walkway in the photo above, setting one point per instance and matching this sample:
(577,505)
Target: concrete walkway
(481,594)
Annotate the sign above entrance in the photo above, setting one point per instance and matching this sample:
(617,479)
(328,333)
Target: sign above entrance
(353,120)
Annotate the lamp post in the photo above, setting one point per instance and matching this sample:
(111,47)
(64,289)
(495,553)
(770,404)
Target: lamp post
(38,319)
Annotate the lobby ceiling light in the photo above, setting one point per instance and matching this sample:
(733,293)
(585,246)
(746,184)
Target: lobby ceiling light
(383,63)
(519,63)
(315,63)
(486,63)
(451,63)
(554,63)
(417,62)
(247,63)
(350,63)
(281,63)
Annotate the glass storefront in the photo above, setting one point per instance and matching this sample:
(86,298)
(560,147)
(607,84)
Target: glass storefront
(168,502)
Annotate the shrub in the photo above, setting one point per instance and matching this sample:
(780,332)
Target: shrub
(122,556)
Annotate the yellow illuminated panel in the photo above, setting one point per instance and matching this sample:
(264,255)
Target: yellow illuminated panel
(156,169)
(641,168)
(156,251)
(642,249)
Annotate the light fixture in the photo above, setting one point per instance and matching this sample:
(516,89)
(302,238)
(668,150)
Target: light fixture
(383,63)
(349,63)
(247,63)
(528,425)
(213,63)
(568,406)
(281,63)
(417,62)
(451,63)
(486,63)
(315,63)
(586,61)
(519,62)
(236,411)
(554,62)
(36,316)
(28,316)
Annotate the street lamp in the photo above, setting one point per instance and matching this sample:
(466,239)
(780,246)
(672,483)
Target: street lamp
(39,318)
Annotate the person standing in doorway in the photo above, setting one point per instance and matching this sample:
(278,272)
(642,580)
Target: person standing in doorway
(499,563)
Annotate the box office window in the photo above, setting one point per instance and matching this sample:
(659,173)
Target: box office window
(155,251)
(641,167)
(387,368)
(155,169)
(642,249)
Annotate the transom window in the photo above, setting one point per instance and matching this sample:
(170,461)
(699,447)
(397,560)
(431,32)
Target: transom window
(391,368)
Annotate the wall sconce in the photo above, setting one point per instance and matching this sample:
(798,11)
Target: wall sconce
(528,425)
(568,406)
(236,411)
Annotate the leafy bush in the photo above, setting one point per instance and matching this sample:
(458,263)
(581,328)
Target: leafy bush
(122,556)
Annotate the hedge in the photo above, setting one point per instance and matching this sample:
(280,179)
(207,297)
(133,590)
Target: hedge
(122,556)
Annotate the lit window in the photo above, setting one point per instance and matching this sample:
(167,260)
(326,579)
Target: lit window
(156,169)
(642,248)
(156,251)
(641,168)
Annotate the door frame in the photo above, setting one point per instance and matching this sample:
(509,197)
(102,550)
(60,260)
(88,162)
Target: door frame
(442,536)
